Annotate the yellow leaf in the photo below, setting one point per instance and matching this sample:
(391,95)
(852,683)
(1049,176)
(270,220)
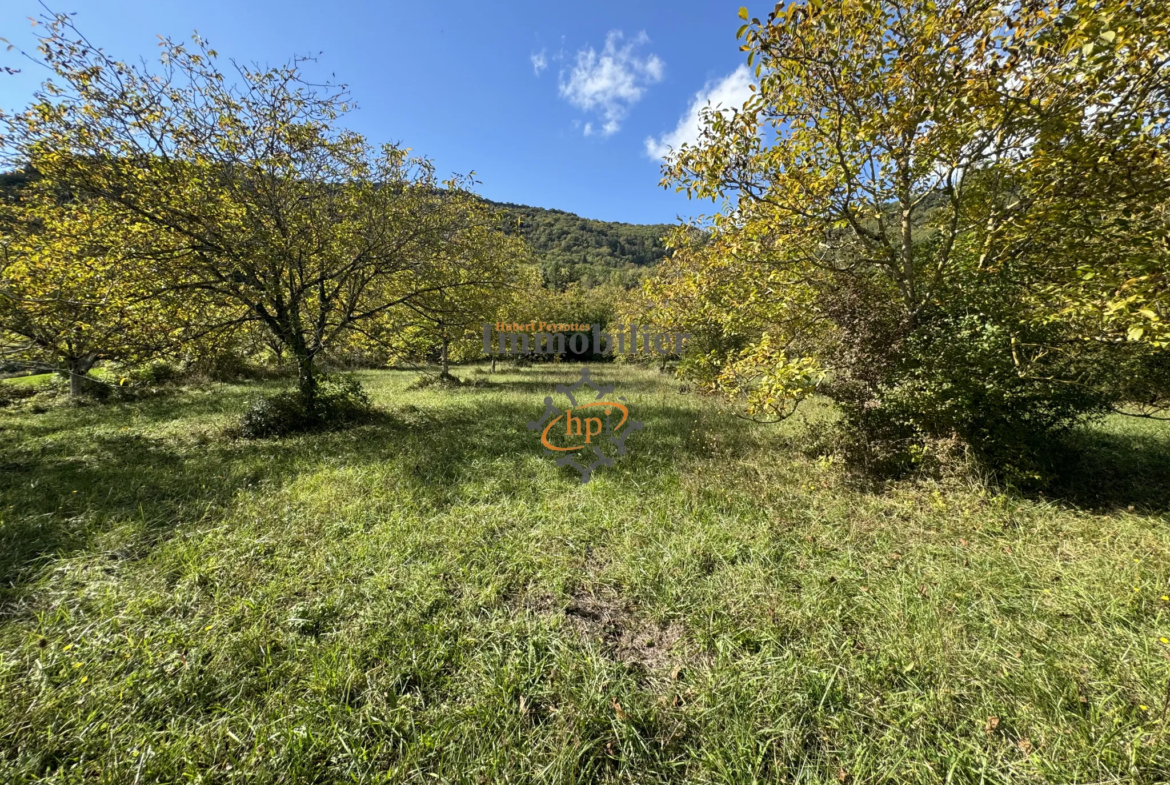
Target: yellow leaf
(743,12)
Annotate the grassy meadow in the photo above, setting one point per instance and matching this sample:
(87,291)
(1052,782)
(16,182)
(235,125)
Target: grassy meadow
(427,598)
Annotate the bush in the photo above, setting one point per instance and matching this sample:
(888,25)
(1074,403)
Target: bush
(225,367)
(155,372)
(957,380)
(340,401)
(425,381)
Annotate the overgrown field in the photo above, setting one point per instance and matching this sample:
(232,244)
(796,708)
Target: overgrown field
(428,598)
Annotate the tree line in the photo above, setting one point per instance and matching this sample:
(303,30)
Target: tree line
(949,217)
(569,249)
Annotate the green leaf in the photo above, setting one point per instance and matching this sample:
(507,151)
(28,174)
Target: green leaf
(1135,333)
(739,32)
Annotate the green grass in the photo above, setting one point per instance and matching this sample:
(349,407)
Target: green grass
(32,380)
(428,598)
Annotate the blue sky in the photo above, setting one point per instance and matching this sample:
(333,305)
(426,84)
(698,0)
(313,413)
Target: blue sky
(551,104)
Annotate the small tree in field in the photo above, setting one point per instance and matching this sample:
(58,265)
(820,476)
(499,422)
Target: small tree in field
(72,291)
(482,272)
(256,205)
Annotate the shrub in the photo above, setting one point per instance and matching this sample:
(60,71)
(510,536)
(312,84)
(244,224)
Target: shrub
(424,381)
(340,401)
(959,379)
(274,415)
(224,367)
(155,372)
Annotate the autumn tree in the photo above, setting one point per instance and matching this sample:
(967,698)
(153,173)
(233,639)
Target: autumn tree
(258,204)
(883,192)
(474,278)
(73,292)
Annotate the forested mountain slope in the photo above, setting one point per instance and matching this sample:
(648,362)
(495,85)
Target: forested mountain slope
(570,248)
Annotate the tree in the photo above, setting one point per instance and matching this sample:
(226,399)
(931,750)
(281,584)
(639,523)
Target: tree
(475,277)
(885,189)
(257,205)
(727,305)
(1094,239)
(72,292)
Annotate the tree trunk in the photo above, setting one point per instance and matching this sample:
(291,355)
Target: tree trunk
(906,203)
(307,380)
(75,377)
(445,374)
(277,349)
(493,363)
(78,368)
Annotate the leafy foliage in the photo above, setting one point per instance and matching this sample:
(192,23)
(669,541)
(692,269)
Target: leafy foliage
(340,401)
(926,218)
(249,200)
(73,290)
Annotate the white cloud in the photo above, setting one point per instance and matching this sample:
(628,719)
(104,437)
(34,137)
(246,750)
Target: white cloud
(539,62)
(612,81)
(730,91)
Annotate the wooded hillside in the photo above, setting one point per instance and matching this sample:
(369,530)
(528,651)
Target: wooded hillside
(570,248)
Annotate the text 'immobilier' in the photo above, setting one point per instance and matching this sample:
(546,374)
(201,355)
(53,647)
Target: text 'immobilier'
(547,338)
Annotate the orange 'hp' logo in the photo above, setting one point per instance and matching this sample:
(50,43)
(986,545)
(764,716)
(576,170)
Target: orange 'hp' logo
(592,427)
(592,424)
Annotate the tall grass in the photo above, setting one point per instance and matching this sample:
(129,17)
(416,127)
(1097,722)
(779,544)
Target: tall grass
(428,598)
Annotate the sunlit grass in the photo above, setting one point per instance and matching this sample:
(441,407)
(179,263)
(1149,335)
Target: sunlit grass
(427,597)
(31,380)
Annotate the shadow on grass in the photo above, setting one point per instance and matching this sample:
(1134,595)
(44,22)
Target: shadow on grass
(1109,469)
(57,499)
(81,478)
(441,453)
(68,476)
(61,415)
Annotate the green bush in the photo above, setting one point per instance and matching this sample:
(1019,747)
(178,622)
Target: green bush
(155,372)
(961,380)
(340,401)
(228,366)
(425,381)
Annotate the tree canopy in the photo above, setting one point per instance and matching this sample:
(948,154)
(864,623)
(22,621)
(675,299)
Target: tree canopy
(240,195)
(938,213)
